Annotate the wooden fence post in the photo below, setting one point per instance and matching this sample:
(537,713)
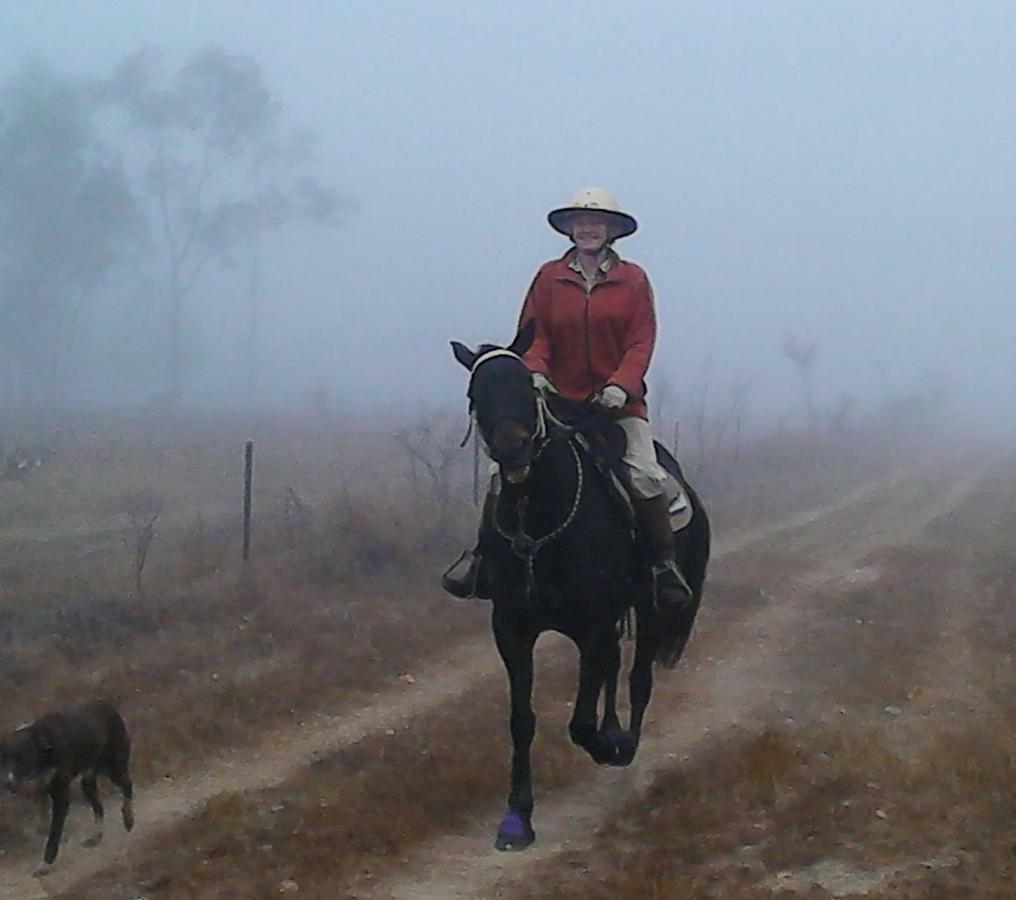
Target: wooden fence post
(248,482)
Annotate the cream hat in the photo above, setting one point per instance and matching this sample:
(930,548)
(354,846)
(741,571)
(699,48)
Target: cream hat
(594,199)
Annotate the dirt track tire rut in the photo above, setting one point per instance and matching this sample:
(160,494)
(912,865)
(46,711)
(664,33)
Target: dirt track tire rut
(160,807)
(736,689)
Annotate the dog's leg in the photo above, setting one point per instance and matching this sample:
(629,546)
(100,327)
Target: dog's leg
(42,806)
(90,789)
(120,776)
(59,791)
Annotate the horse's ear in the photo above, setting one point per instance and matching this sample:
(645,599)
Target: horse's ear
(464,355)
(524,339)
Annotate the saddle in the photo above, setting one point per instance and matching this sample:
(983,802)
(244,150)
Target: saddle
(603,440)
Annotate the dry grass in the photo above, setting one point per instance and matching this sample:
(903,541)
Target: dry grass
(342,598)
(211,657)
(353,814)
(760,813)
(904,782)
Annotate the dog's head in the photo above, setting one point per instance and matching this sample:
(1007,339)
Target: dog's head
(26,759)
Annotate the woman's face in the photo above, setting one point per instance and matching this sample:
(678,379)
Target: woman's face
(589,232)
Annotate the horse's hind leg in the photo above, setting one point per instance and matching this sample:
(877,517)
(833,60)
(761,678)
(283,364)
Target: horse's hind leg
(622,743)
(599,661)
(640,679)
(515,831)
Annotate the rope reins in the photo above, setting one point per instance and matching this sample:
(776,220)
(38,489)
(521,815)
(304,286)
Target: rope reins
(524,546)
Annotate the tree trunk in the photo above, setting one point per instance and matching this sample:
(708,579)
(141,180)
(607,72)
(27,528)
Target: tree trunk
(253,314)
(175,339)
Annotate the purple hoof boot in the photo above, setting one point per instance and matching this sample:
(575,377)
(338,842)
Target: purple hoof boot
(514,832)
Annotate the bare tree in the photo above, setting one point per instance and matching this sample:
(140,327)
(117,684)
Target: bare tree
(803,355)
(283,195)
(842,413)
(67,216)
(142,509)
(432,448)
(664,397)
(732,414)
(699,412)
(218,171)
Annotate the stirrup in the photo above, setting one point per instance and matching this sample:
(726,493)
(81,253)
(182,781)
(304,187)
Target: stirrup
(673,583)
(461,577)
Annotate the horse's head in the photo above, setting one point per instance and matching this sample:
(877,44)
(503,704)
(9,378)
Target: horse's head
(504,402)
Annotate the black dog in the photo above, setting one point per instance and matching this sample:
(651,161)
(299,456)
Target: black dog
(45,756)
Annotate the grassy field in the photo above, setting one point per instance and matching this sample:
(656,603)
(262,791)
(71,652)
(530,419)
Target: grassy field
(339,610)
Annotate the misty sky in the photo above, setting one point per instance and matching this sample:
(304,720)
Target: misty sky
(846,171)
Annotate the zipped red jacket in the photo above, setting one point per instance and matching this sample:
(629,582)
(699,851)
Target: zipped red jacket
(587,338)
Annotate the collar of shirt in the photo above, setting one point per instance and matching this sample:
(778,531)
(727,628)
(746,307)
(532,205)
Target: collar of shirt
(606,263)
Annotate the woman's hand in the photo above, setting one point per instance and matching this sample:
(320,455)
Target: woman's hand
(611,397)
(543,384)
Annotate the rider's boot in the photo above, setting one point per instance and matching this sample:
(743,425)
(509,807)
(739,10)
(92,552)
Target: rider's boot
(464,578)
(672,592)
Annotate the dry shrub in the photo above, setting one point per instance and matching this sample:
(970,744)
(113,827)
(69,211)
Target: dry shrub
(354,537)
(203,548)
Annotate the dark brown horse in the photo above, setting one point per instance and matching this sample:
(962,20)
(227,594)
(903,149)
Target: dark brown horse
(561,555)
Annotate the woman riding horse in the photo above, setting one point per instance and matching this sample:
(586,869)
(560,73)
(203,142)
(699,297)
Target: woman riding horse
(595,329)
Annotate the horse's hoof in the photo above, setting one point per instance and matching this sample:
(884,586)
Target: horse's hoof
(514,832)
(622,746)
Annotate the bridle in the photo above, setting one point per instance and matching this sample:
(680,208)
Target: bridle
(540,439)
(524,546)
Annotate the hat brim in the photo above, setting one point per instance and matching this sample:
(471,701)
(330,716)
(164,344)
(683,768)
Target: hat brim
(621,224)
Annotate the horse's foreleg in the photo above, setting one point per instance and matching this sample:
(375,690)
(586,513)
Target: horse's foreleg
(610,722)
(516,830)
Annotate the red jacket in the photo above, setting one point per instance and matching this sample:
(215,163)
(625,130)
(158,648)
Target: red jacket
(586,341)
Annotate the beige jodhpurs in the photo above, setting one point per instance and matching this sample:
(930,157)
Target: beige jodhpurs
(648,478)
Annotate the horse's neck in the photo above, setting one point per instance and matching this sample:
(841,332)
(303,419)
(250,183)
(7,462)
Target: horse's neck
(548,492)
(555,482)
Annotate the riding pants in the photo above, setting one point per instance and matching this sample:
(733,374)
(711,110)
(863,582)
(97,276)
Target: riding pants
(646,476)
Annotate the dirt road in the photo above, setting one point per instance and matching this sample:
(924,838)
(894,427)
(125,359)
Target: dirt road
(726,684)
(745,686)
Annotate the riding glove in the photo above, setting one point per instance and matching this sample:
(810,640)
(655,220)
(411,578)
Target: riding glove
(543,384)
(612,397)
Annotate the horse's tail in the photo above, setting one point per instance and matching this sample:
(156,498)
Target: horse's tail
(674,629)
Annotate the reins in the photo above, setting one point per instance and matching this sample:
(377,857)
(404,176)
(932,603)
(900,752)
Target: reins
(524,546)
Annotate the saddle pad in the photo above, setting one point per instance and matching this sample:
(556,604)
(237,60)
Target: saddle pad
(677,500)
(677,504)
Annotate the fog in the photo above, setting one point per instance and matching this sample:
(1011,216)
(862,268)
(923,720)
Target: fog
(842,174)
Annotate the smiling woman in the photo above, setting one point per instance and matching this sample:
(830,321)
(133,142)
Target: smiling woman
(594,330)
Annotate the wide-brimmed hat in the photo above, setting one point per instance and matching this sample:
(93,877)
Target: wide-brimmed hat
(594,199)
